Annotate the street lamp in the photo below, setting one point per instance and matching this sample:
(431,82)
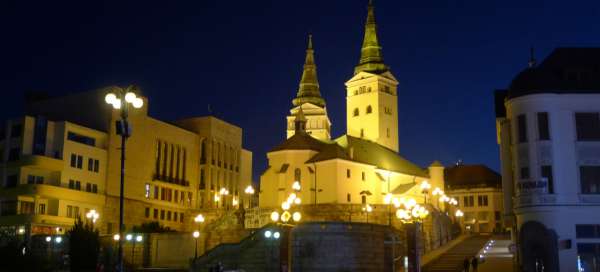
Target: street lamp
(413,213)
(425,186)
(92,215)
(131,238)
(367,209)
(121,100)
(249,191)
(196,234)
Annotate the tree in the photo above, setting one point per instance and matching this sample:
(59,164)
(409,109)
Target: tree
(84,246)
(151,227)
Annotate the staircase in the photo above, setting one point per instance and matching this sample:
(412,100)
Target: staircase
(452,261)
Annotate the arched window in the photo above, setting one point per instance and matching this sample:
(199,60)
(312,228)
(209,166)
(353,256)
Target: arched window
(297,175)
(369,109)
(363,199)
(356,112)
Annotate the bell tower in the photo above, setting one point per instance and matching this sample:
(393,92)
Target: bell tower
(309,101)
(371,94)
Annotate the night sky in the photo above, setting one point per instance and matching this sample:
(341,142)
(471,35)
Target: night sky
(244,58)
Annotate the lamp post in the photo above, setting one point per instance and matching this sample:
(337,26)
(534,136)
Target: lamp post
(196,234)
(92,215)
(121,100)
(414,214)
(425,186)
(367,209)
(249,191)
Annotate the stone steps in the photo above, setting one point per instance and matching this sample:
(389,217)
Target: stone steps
(452,260)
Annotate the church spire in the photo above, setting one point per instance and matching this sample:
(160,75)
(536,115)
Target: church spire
(371,57)
(309,84)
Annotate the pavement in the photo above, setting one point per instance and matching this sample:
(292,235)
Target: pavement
(492,251)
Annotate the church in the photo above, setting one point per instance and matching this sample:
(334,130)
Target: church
(362,166)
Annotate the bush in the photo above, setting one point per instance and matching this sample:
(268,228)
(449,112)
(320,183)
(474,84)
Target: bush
(84,246)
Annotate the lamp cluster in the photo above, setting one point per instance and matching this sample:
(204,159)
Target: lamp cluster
(409,210)
(118,102)
(272,234)
(129,237)
(92,215)
(249,190)
(57,239)
(292,200)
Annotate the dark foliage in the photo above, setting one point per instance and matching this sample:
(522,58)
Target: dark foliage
(84,245)
(12,258)
(151,227)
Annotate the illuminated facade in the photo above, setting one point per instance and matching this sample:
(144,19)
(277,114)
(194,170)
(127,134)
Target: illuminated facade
(63,159)
(548,125)
(478,191)
(360,167)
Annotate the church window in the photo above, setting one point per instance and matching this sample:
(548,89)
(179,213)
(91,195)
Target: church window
(355,112)
(348,197)
(369,109)
(297,175)
(348,173)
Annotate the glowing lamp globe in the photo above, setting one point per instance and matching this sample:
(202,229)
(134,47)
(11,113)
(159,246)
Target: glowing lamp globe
(110,98)
(130,97)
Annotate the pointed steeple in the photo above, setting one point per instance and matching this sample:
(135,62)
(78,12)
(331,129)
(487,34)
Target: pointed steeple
(309,92)
(371,57)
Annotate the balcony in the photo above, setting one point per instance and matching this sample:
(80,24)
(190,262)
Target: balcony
(522,201)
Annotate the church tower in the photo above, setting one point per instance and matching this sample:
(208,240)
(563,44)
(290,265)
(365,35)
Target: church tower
(309,100)
(371,97)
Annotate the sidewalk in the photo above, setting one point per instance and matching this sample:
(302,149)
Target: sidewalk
(496,257)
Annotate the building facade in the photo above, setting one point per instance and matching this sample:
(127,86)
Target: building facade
(548,124)
(63,159)
(361,167)
(478,191)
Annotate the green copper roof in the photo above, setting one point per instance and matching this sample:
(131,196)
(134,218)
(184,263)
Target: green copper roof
(371,57)
(309,84)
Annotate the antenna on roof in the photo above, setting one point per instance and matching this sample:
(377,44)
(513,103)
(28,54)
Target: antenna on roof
(531,62)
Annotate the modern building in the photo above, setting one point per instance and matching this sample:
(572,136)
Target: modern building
(548,124)
(362,166)
(63,158)
(478,190)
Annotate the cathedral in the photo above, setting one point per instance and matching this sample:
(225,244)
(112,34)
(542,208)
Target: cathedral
(362,166)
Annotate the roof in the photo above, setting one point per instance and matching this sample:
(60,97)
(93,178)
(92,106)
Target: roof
(471,176)
(565,70)
(300,141)
(363,151)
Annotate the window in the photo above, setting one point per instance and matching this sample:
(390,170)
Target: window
(587,126)
(30,179)
(90,164)
(169,215)
(524,173)
(147,190)
(469,201)
(547,173)
(73,160)
(175,216)
(348,173)
(587,231)
(155,192)
(155,214)
(588,256)
(497,215)
(355,113)
(147,212)
(176,197)
(482,201)
(27,207)
(181,218)
(363,176)
(162,193)
(39,135)
(76,211)
(78,185)
(79,161)
(590,179)
(42,208)
(72,136)
(71,184)
(94,188)
(522,128)
(69,211)
(369,109)
(363,199)
(543,128)
(348,198)
(96,166)
(297,174)
(162,214)
(88,187)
